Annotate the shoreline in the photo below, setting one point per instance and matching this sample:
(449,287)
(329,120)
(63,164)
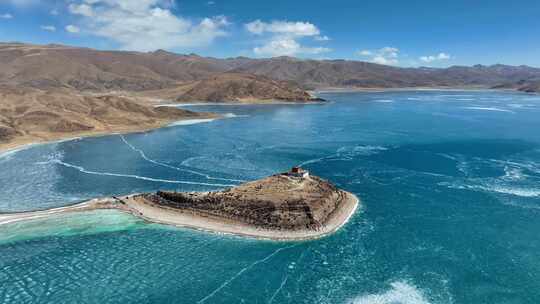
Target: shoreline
(408,89)
(29,142)
(23,143)
(184,219)
(276,102)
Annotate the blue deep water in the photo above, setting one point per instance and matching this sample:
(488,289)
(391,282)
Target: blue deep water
(449,183)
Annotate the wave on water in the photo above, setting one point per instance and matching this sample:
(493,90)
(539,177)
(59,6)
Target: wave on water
(360,150)
(493,109)
(263,260)
(455,95)
(162,164)
(384,100)
(399,293)
(346,153)
(9,153)
(496,188)
(518,191)
(227,163)
(83,170)
(513,174)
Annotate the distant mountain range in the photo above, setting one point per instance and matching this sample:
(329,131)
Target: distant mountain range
(83,69)
(54,91)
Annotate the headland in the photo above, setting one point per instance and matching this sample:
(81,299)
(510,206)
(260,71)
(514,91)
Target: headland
(286,206)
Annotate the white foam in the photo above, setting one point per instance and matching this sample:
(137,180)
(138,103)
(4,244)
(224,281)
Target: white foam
(513,174)
(518,191)
(187,122)
(346,153)
(384,100)
(502,189)
(8,153)
(399,293)
(360,150)
(488,109)
(232,115)
(455,95)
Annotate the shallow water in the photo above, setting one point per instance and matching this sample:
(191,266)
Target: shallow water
(450,185)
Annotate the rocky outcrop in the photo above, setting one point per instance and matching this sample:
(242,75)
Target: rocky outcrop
(278,202)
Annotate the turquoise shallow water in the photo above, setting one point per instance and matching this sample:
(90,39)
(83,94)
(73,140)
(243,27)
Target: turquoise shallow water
(449,183)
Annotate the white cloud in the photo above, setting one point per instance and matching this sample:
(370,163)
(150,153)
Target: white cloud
(322,38)
(146,25)
(384,60)
(282,38)
(54,12)
(50,28)
(432,58)
(390,52)
(6,16)
(286,47)
(72,29)
(81,9)
(386,55)
(283,27)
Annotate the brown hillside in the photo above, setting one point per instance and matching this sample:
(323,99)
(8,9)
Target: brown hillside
(28,114)
(242,87)
(54,66)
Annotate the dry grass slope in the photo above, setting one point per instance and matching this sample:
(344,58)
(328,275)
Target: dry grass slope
(28,114)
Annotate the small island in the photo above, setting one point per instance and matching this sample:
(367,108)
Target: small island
(288,206)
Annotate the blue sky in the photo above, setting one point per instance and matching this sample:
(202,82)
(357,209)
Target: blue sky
(402,33)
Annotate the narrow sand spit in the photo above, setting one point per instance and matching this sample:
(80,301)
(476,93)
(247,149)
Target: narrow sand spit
(142,208)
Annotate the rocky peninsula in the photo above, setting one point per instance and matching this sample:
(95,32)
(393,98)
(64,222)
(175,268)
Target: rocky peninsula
(286,206)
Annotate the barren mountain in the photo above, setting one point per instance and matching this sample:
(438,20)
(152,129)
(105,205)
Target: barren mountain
(243,87)
(342,73)
(54,66)
(28,115)
(49,91)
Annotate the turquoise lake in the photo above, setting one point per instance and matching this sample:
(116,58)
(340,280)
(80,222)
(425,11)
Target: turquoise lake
(449,183)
